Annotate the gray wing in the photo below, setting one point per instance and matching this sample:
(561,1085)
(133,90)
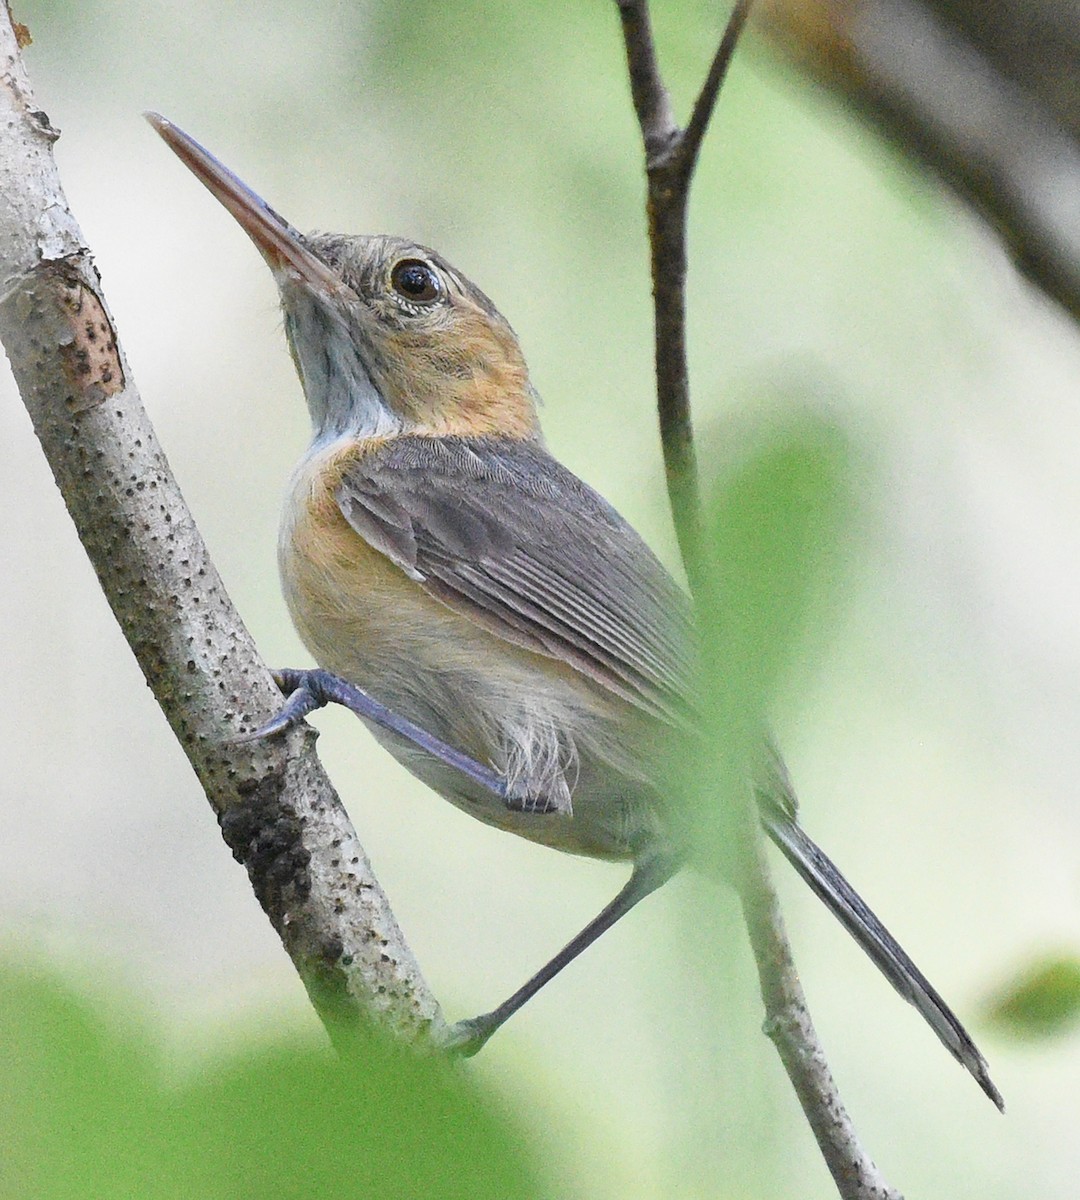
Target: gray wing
(497,530)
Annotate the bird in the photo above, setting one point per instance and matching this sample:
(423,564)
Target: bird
(503,631)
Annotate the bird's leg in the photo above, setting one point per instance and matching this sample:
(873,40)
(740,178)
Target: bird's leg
(467,1037)
(309,690)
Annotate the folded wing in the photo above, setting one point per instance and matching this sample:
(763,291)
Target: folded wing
(497,530)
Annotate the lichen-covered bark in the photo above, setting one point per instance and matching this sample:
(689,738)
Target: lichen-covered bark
(278,812)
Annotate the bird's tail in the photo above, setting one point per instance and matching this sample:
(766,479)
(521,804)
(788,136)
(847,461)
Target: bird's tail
(818,870)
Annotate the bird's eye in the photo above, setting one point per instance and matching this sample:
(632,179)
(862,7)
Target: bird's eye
(416,281)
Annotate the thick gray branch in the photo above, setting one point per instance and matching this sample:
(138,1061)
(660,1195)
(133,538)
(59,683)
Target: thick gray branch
(278,812)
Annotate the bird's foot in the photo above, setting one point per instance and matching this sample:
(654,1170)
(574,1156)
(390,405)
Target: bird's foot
(305,691)
(463,1039)
(312,689)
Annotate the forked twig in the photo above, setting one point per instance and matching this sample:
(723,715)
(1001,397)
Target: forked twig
(670,157)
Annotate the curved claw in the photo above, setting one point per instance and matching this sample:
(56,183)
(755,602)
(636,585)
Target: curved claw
(302,699)
(466,1038)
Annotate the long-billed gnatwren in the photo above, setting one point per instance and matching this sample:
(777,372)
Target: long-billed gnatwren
(518,646)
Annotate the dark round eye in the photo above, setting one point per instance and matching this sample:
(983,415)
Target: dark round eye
(416,281)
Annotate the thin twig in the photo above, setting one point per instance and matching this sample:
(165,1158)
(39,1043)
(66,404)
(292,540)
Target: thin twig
(278,811)
(670,157)
(788,1024)
(667,198)
(694,134)
(651,100)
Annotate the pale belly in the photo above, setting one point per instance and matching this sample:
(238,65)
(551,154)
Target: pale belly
(365,620)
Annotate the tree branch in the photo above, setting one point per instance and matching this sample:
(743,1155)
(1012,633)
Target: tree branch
(670,157)
(651,100)
(278,811)
(666,207)
(984,95)
(694,134)
(788,1024)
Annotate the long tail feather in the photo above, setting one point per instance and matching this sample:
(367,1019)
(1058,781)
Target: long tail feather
(818,870)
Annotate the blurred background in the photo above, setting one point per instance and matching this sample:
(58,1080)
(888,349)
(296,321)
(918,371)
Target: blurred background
(928,720)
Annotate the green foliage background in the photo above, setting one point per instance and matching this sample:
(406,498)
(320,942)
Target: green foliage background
(87,1112)
(887,422)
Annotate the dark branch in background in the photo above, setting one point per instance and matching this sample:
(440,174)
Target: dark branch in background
(984,92)
(278,812)
(670,157)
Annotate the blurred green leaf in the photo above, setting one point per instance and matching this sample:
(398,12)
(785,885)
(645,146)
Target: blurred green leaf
(774,531)
(776,523)
(78,1102)
(1042,1001)
(85,1113)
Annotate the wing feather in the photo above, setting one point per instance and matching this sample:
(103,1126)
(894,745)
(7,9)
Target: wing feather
(499,531)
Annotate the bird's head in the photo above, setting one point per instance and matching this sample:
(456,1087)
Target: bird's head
(386,335)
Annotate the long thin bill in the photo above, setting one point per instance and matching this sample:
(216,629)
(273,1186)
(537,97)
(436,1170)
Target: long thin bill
(278,242)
